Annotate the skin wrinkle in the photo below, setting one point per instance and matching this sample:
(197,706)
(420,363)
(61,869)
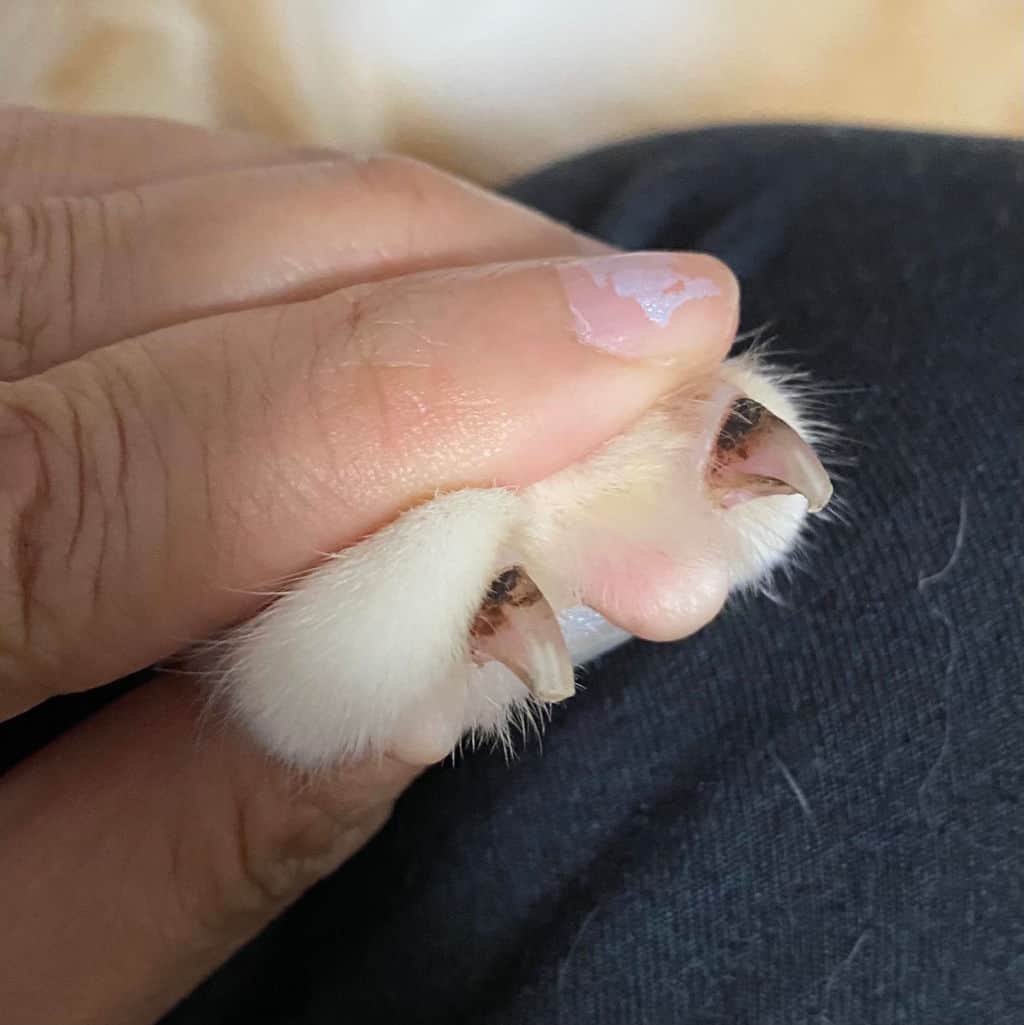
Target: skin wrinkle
(330,336)
(108,386)
(164,460)
(100,560)
(115,497)
(199,913)
(224,366)
(71,235)
(410,327)
(371,384)
(180,887)
(150,349)
(25,533)
(106,286)
(18,359)
(322,416)
(17,221)
(272,875)
(119,210)
(264,385)
(129,385)
(195,905)
(81,490)
(48,249)
(281,349)
(321,375)
(42,279)
(128,221)
(84,408)
(255,891)
(208,491)
(383,401)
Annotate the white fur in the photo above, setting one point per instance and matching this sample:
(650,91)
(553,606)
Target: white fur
(330,669)
(764,532)
(369,653)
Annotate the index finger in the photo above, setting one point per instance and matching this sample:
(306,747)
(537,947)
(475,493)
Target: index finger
(52,154)
(156,484)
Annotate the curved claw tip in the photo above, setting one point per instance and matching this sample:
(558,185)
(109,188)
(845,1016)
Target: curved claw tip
(517,627)
(757,454)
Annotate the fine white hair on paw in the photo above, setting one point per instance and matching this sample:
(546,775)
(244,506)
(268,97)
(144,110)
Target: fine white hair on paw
(466,615)
(334,667)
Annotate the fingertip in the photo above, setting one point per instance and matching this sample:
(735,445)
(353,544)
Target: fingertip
(651,305)
(587,245)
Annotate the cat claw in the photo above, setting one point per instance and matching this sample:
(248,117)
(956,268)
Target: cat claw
(758,454)
(517,627)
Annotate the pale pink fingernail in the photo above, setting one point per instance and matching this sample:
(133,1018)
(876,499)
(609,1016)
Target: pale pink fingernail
(648,304)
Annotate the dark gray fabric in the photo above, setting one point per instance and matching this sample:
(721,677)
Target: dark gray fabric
(810,812)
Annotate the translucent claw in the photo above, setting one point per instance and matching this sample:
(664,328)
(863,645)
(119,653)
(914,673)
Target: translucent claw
(517,627)
(757,454)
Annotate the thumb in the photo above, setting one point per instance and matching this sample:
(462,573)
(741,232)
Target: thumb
(153,485)
(143,852)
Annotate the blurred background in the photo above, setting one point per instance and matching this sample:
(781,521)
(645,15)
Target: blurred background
(491,88)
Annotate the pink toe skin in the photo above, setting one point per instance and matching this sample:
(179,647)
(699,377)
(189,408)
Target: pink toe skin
(430,730)
(637,305)
(650,594)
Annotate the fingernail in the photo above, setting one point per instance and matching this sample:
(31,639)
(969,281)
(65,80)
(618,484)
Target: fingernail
(638,305)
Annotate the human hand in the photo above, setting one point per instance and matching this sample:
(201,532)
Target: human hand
(218,360)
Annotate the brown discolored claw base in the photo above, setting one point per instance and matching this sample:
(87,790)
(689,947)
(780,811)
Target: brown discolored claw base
(757,454)
(517,627)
